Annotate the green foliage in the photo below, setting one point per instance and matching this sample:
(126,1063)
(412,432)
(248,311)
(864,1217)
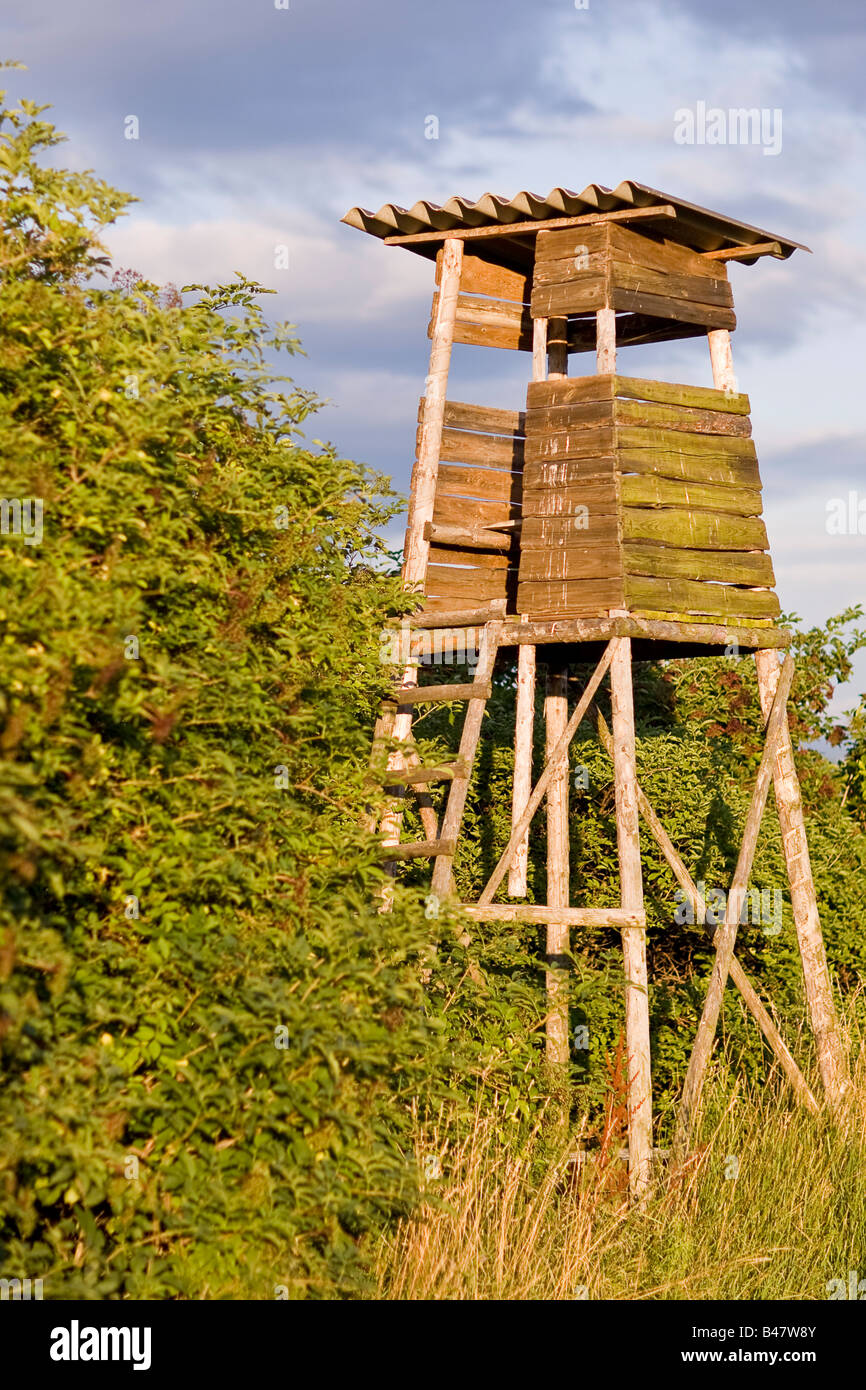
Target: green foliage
(206,1026)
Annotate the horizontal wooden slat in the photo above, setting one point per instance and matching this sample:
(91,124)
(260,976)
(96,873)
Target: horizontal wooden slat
(421,849)
(678,441)
(479,276)
(693,530)
(575,296)
(598,498)
(643,490)
(571,242)
(639,302)
(487,419)
(751,567)
(572,916)
(441,694)
(443,618)
(698,289)
(576,596)
(489,450)
(513,337)
(602,561)
(475,585)
(660,255)
(580,443)
(490,483)
(540,532)
(498,313)
(673,393)
(478,559)
(694,468)
(422,776)
(479,538)
(685,596)
(455,511)
(595,413)
(575,265)
(568,472)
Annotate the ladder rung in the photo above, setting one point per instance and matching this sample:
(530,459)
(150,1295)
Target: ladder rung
(440,694)
(422,849)
(444,772)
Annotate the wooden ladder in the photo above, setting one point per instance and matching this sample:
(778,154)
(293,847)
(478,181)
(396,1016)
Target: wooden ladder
(441,844)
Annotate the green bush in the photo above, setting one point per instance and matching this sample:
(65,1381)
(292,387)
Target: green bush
(207,1028)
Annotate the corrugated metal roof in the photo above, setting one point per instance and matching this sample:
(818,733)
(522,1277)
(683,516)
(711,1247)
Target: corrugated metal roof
(693,226)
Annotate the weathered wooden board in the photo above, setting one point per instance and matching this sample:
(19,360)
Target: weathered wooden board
(489,483)
(586,443)
(555,598)
(496,312)
(569,472)
(485,419)
(481,559)
(593,413)
(678,441)
(672,393)
(662,255)
(540,532)
(493,451)
(686,596)
(572,562)
(597,498)
(444,581)
(644,490)
(664,306)
(677,526)
(575,296)
(511,336)
(750,567)
(694,468)
(570,243)
(479,276)
(576,265)
(456,511)
(543,395)
(625,275)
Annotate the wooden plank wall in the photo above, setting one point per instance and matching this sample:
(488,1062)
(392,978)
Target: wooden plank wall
(644,495)
(611,267)
(480,484)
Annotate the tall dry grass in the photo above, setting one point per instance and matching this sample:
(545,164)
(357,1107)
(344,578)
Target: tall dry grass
(770,1204)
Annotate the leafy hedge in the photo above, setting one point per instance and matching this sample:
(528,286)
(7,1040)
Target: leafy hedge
(206,1026)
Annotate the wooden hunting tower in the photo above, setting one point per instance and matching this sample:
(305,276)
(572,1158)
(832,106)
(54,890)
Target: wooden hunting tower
(613,518)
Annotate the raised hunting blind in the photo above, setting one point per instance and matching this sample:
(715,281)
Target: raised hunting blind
(607,519)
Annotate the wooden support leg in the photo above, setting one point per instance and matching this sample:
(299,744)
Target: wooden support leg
(453,818)
(605,341)
(556,721)
(525,714)
(722,359)
(819,993)
(523,729)
(637,1030)
(424,475)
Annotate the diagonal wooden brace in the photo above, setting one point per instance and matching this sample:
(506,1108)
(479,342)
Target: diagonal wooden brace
(751,998)
(727,934)
(553,762)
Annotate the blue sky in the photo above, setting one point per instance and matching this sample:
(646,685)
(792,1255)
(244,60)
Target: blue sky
(260,126)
